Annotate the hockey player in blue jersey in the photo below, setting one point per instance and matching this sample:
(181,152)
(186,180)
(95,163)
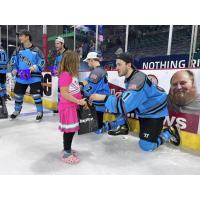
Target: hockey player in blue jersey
(60,48)
(147,100)
(3,93)
(27,64)
(97,82)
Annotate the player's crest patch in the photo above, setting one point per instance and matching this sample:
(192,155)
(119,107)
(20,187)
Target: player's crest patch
(94,76)
(132,87)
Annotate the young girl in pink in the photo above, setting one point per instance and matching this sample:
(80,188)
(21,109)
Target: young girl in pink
(70,99)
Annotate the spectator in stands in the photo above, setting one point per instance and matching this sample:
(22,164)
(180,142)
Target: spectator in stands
(119,51)
(139,36)
(132,38)
(85,49)
(79,50)
(92,46)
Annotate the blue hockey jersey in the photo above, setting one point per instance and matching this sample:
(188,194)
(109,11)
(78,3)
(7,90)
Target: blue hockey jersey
(141,96)
(58,59)
(23,58)
(97,83)
(3,61)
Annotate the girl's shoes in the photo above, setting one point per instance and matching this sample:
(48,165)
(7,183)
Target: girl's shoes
(70,158)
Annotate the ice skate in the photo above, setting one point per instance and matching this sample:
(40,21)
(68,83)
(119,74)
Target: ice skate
(39,116)
(172,135)
(14,115)
(120,130)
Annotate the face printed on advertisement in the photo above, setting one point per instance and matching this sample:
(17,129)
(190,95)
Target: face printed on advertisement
(182,90)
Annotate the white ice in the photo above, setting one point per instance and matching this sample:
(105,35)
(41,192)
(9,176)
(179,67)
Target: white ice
(29,147)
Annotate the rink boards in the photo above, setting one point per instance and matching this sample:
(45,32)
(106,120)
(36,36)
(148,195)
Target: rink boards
(189,124)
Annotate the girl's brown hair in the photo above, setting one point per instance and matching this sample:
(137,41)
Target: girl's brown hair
(70,63)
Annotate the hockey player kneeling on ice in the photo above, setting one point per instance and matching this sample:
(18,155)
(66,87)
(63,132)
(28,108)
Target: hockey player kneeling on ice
(147,100)
(27,64)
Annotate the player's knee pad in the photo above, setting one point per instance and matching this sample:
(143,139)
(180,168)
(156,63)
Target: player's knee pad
(147,145)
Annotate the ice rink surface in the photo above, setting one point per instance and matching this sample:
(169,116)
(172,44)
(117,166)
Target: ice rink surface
(29,147)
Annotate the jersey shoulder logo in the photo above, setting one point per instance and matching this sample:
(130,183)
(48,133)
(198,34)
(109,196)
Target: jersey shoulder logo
(94,76)
(132,87)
